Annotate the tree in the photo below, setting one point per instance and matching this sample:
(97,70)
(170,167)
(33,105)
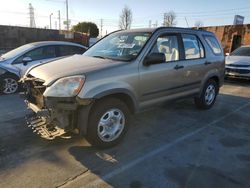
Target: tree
(198,24)
(126,18)
(87,27)
(169,19)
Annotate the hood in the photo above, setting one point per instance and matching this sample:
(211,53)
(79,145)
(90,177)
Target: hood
(239,60)
(74,65)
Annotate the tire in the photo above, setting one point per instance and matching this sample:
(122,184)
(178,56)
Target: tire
(9,84)
(108,123)
(208,95)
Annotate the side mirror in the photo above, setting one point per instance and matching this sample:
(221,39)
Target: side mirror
(26,60)
(227,54)
(154,58)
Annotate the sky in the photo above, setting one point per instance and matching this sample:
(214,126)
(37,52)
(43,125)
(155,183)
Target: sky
(210,12)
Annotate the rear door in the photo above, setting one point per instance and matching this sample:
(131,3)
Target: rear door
(194,60)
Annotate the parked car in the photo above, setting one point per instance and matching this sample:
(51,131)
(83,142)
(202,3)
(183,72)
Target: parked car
(122,74)
(238,63)
(16,62)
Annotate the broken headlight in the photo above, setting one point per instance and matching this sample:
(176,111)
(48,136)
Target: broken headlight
(65,87)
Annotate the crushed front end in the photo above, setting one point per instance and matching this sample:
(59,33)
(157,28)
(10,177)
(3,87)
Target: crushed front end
(51,117)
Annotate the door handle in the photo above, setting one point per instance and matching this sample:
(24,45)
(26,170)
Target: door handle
(178,67)
(207,63)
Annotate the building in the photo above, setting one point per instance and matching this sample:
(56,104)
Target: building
(231,36)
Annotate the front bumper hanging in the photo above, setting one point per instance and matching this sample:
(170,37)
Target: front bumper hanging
(42,123)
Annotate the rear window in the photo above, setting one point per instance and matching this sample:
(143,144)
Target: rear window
(213,43)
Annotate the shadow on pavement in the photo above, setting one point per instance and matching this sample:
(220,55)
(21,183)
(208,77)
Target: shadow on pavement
(149,131)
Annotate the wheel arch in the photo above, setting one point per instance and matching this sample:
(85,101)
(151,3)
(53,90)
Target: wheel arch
(214,75)
(121,94)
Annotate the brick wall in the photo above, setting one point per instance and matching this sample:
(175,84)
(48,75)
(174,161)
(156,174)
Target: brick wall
(226,34)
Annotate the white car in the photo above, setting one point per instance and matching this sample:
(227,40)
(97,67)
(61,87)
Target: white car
(15,63)
(238,63)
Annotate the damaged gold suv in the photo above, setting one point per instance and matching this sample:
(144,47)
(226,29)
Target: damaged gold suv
(122,74)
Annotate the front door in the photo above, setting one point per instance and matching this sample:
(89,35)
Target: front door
(37,56)
(158,81)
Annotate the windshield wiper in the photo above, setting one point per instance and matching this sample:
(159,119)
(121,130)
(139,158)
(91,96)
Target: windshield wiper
(98,56)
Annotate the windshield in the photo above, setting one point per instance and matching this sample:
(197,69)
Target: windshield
(119,46)
(16,51)
(242,51)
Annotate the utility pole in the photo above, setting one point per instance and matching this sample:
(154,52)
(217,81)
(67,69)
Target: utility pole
(50,26)
(32,16)
(186,22)
(150,24)
(101,27)
(155,24)
(67,11)
(165,19)
(67,14)
(59,19)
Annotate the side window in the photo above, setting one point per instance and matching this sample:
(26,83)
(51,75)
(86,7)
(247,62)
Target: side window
(41,53)
(78,50)
(70,50)
(36,54)
(45,52)
(213,43)
(49,52)
(168,45)
(192,46)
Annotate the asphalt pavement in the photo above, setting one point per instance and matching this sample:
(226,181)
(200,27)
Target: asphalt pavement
(173,145)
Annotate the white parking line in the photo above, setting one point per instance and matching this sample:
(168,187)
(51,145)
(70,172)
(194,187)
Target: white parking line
(152,153)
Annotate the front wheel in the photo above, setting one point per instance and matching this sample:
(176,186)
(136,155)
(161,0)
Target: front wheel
(9,84)
(208,95)
(108,122)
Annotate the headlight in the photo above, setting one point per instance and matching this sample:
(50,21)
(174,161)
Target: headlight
(2,71)
(65,87)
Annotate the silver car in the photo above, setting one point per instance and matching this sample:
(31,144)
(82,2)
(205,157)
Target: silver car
(15,63)
(238,63)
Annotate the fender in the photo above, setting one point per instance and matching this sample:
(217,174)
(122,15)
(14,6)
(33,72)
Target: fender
(112,88)
(10,70)
(210,74)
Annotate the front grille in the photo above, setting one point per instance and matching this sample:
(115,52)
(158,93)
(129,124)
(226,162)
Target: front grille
(238,71)
(236,65)
(34,90)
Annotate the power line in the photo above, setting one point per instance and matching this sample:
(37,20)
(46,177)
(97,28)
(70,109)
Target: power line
(212,11)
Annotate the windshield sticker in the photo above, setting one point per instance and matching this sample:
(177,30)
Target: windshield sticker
(126,45)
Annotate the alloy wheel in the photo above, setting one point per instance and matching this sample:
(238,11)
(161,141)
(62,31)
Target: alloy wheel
(10,86)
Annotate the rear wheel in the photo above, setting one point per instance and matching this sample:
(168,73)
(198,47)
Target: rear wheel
(9,84)
(108,122)
(208,95)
